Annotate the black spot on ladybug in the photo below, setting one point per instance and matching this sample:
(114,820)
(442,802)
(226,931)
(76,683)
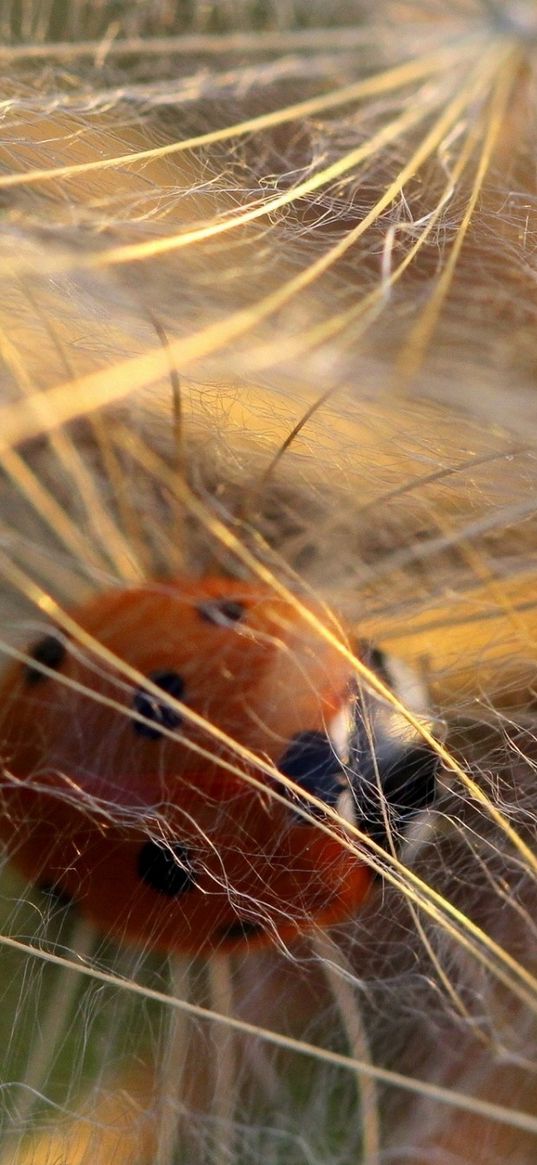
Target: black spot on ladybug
(407,785)
(240,930)
(166,868)
(156,710)
(221,611)
(50,651)
(57,893)
(311,761)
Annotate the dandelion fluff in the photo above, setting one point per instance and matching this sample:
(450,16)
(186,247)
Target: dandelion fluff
(268,308)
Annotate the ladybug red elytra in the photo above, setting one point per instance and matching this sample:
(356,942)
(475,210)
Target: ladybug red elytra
(113,796)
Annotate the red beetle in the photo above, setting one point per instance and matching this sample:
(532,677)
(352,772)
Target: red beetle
(113,797)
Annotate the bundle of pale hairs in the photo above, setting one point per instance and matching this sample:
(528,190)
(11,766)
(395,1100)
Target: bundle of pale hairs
(268,311)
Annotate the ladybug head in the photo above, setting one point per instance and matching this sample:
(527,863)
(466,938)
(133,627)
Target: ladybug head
(370,765)
(393,769)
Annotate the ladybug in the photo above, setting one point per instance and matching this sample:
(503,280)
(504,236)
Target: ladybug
(129,798)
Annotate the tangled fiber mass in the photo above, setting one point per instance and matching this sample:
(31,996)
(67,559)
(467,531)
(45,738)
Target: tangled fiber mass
(268,314)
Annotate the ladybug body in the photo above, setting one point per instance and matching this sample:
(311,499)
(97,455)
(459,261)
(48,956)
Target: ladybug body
(147,794)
